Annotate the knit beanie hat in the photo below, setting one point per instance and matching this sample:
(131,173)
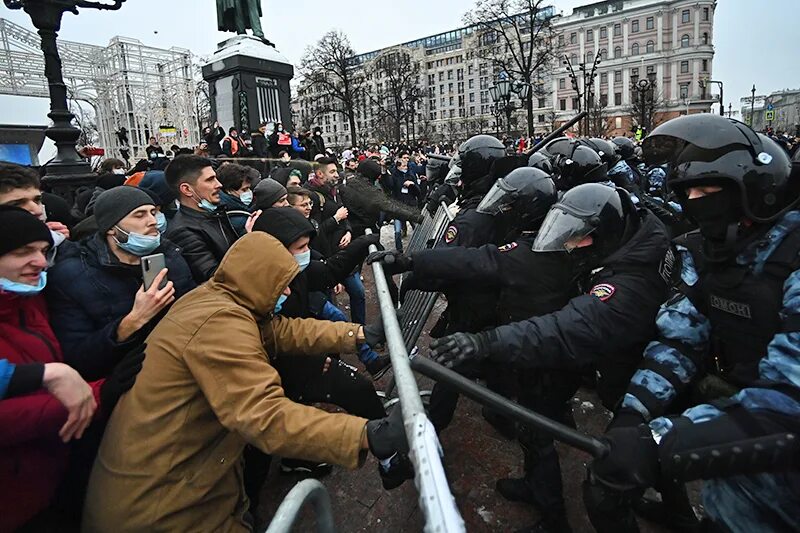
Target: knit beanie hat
(20,228)
(369,169)
(115,204)
(286,224)
(267,192)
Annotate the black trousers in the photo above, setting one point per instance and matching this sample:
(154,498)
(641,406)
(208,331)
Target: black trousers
(304,382)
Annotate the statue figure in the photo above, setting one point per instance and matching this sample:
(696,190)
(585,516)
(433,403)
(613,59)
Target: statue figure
(239,16)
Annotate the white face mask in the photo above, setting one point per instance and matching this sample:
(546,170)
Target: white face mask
(119,171)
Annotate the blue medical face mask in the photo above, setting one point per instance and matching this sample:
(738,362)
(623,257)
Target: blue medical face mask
(246,197)
(303,259)
(137,244)
(23,289)
(204,204)
(279,304)
(161,222)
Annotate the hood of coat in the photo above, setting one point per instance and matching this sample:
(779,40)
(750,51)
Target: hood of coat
(286,224)
(254,272)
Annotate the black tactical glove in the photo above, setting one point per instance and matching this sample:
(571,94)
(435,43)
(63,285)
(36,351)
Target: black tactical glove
(386,436)
(122,378)
(453,350)
(632,462)
(374,334)
(393,262)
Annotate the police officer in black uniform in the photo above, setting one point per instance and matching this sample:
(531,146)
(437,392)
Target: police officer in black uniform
(728,340)
(621,250)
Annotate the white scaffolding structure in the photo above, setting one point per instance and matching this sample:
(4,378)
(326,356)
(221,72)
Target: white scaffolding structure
(146,90)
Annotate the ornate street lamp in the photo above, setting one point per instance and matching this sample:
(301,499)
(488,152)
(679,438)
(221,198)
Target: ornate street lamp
(67,169)
(501,93)
(643,86)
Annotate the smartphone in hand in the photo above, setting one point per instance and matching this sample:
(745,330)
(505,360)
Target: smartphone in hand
(151,266)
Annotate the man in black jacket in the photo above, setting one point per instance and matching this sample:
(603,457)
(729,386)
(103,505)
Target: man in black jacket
(260,143)
(201,227)
(624,251)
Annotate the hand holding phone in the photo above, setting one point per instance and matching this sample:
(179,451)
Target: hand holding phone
(152,265)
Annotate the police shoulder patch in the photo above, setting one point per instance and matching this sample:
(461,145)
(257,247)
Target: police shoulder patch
(507,247)
(451,234)
(604,291)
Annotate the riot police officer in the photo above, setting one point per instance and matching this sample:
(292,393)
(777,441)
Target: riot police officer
(620,249)
(729,338)
(625,170)
(579,164)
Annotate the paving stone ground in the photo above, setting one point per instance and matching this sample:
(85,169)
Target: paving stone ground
(475,457)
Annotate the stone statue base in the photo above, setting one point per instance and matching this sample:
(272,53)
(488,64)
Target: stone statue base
(248,83)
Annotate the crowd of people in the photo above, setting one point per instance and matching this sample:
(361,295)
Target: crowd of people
(175,326)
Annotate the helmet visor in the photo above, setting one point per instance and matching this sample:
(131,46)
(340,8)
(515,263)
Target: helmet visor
(700,135)
(454,176)
(562,230)
(498,199)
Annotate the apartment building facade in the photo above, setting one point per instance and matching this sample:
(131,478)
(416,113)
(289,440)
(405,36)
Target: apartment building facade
(669,42)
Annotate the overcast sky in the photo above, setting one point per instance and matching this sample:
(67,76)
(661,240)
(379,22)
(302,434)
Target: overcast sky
(753,40)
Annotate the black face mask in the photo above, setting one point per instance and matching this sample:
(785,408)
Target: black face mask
(715,213)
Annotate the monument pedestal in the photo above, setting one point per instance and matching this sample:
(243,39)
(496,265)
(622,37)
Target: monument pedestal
(248,84)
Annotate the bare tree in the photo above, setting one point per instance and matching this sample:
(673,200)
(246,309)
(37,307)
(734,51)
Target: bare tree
(397,91)
(644,108)
(517,36)
(202,101)
(598,123)
(330,69)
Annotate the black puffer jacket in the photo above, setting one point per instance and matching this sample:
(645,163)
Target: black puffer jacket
(204,239)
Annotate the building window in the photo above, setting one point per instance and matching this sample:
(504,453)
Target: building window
(651,69)
(604,33)
(470,70)
(650,23)
(684,67)
(617,98)
(460,74)
(603,54)
(617,52)
(635,49)
(541,102)
(705,65)
(573,58)
(449,74)
(540,118)
(706,13)
(472,83)
(635,72)
(603,100)
(561,39)
(635,26)
(589,35)
(562,104)
(574,102)
(471,110)
(451,100)
(471,98)
(617,30)
(705,37)
(685,41)
(589,58)
(449,87)
(651,47)
(686,16)
(617,76)
(573,38)
(684,90)
(604,77)
(562,83)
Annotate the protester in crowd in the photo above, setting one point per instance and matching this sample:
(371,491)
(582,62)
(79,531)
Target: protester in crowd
(405,189)
(208,388)
(269,193)
(201,227)
(232,145)
(327,204)
(37,423)
(236,194)
(111,165)
(154,150)
(213,137)
(298,150)
(99,306)
(260,145)
(318,142)
(20,187)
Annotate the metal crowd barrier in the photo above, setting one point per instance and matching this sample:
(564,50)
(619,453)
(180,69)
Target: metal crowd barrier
(305,491)
(435,499)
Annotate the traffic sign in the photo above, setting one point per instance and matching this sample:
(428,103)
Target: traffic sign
(769,116)
(770,107)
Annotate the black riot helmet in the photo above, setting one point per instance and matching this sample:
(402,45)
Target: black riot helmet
(540,161)
(559,146)
(625,147)
(525,193)
(437,168)
(475,158)
(606,214)
(707,149)
(581,165)
(605,149)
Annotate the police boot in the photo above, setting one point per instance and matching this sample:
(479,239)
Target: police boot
(552,521)
(674,510)
(609,510)
(541,485)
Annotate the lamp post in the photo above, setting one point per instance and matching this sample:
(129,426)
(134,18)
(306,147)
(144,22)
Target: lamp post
(705,82)
(67,169)
(501,93)
(588,76)
(752,104)
(643,86)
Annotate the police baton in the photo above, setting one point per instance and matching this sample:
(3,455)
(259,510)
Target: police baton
(557,133)
(560,432)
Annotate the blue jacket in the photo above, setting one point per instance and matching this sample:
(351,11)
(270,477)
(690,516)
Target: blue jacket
(232,203)
(296,145)
(741,502)
(6,371)
(623,169)
(89,292)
